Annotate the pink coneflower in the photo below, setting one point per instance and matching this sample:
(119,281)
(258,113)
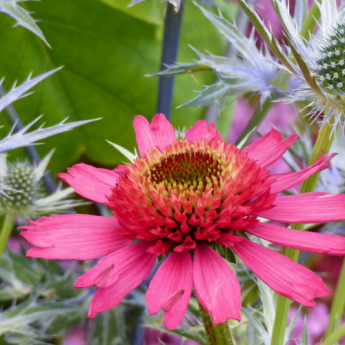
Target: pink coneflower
(182,199)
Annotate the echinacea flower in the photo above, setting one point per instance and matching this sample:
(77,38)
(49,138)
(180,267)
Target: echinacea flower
(182,199)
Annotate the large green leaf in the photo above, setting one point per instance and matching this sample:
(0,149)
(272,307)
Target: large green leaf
(106,54)
(149,11)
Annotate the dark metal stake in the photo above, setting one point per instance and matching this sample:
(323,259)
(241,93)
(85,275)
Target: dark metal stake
(172,28)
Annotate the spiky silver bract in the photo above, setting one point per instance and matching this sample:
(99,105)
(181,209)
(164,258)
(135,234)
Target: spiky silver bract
(22,17)
(24,138)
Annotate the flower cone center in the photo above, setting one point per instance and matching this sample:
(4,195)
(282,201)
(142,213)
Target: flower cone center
(188,169)
(189,192)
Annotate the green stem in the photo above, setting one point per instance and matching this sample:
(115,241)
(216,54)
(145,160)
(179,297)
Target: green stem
(323,144)
(334,337)
(338,304)
(310,22)
(223,334)
(6,231)
(217,335)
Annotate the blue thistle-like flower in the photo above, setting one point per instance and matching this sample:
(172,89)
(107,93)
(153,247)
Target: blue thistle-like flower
(25,197)
(20,177)
(319,64)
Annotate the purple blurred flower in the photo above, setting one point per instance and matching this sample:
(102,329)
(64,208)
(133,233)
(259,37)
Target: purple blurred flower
(75,336)
(152,336)
(317,321)
(281,116)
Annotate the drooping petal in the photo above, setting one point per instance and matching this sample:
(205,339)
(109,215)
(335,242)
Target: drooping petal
(171,287)
(201,131)
(116,275)
(315,207)
(283,275)
(268,149)
(114,264)
(286,181)
(73,237)
(90,182)
(302,240)
(216,285)
(159,133)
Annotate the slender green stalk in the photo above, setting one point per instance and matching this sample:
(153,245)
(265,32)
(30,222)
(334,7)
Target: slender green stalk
(338,304)
(217,335)
(334,337)
(223,334)
(7,227)
(208,325)
(310,23)
(323,144)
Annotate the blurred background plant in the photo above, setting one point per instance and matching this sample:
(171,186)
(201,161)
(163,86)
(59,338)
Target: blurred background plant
(108,49)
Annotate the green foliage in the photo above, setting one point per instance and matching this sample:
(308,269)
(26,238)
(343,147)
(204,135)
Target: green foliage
(47,304)
(191,326)
(106,53)
(108,328)
(31,318)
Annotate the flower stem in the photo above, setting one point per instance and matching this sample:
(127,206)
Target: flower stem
(172,28)
(7,227)
(217,335)
(334,337)
(323,144)
(338,304)
(311,21)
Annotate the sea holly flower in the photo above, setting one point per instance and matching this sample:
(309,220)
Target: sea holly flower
(182,200)
(24,196)
(320,63)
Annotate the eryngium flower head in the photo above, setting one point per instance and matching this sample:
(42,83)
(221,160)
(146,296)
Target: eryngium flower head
(21,177)
(182,199)
(24,194)
(319,63)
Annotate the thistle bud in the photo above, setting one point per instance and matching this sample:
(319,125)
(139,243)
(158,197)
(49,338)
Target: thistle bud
(21,177)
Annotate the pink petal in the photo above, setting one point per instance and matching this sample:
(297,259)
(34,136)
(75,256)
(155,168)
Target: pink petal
(286,181)
(73,237)
(302,240)
(268,149)
(216,285)
(286,277)
(160,133)
(113,265)
(171,287)
(315,207)
(128,273)
(90,182)
(120,170)
(201,131)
